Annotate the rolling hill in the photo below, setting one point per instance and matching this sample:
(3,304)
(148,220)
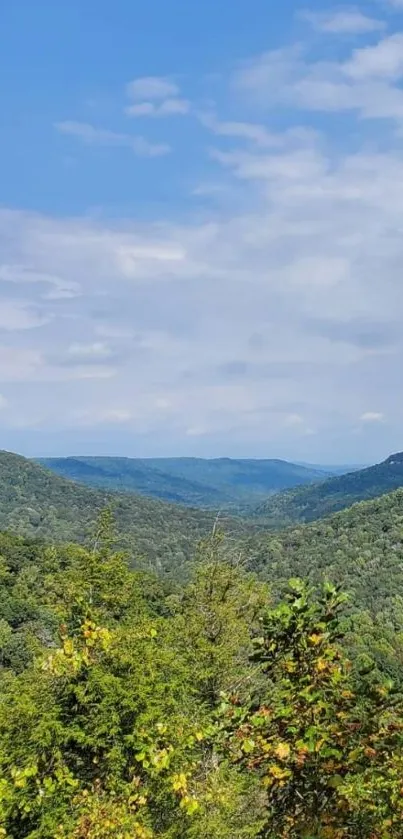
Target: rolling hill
(308,503)
(361,549)
(36,502)
(221,483)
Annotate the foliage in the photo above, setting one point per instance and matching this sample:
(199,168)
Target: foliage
(329,754)
(213,618)
(95,732)
(360,549)
(207,710)
(104,733)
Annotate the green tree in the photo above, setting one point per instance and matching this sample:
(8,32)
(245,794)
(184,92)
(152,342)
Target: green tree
(328,753)
(98,737)
(214,619)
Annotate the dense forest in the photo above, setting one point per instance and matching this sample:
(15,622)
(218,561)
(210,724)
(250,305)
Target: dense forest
(223,483)
(359,549)
(306,504)
(35,502)
(196,678)
(129,709)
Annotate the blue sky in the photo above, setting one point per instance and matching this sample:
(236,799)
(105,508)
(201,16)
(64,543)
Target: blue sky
(201,228)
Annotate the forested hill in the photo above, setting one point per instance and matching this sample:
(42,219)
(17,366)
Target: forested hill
(218,483)
(306,504)
(361,548)
(36,502)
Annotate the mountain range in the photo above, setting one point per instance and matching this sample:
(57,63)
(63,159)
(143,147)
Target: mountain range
(218,484)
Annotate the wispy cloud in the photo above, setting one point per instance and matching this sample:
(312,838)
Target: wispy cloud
(372,416)
(93,136)
(111,417)
(167,108)
(17,315)
(382,61)
(98,350)
(155,97)
(60,289)
(244,130)
(343,22)
(363,83)
(152,87)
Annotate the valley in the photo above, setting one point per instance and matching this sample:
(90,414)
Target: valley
(223,483)
(155,634)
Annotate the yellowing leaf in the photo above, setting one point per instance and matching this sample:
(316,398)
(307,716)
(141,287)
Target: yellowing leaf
(282,751)
(315,638)
(278,772)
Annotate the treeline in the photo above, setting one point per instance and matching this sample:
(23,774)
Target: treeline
(133,708)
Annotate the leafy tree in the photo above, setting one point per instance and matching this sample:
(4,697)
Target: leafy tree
(214,617)
(97,739)
(328,754)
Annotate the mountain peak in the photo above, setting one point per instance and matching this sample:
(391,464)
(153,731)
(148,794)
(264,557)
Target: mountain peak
(394,459)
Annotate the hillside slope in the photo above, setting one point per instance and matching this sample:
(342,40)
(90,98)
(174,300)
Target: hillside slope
(220,483)
(36,502)
(361,548)
(306,504)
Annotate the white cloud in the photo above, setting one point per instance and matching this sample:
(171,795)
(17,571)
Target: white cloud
(152,87)
(343,22)
(60,289)
(155,97)
(362,83)
(293,420)
(372,416)
(90,351)
(162,403)
(384,60)
(301,165)
(255,265)
(196,431)
(115,416)
(78,373)
(17,314)
(19,364)
(90,135)
(261,76)
(244,130)
(168,108)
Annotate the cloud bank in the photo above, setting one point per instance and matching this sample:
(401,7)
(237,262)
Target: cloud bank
(267,325)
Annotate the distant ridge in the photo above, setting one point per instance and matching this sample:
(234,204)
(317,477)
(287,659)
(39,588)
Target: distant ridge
(36,502)
(306,504)
(221,483)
